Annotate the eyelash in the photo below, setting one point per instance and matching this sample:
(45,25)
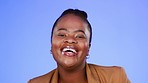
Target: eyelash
(77,36)
(80,36)
(62,35)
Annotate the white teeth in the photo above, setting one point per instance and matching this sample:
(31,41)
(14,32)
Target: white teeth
(66,49)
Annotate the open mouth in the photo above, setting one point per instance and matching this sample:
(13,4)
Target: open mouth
(69,51)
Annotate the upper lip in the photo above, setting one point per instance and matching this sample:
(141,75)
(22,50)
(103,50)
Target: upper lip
(73,48)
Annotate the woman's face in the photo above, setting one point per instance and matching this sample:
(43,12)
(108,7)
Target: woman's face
(70,41)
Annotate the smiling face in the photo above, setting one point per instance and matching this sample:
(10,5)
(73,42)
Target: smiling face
(70,42)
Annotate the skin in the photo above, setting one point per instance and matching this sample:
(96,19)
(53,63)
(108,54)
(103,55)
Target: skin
(71,31)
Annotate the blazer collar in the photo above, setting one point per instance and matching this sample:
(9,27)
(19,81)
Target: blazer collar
(91,75)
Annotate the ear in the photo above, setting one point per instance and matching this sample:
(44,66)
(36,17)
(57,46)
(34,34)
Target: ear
(51,50)
(89,45)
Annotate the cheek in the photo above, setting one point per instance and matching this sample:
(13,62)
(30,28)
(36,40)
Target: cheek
(55,41)
(54,46)
(85,48)
(54,49)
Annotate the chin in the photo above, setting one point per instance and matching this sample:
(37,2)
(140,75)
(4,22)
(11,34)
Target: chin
(69,64)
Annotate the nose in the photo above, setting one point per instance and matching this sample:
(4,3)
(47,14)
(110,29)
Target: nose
(70,40)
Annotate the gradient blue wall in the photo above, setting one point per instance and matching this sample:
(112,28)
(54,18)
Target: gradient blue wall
(120,36)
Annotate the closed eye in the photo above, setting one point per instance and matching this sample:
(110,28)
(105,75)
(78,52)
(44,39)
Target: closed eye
(80,36)
(61,35)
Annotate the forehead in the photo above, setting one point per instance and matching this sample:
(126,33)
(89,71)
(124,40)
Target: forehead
(71,21)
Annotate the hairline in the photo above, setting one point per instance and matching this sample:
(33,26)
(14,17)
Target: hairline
(85,20)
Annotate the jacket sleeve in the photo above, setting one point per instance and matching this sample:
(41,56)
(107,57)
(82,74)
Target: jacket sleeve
(29,81)
(123,77)
(120,76)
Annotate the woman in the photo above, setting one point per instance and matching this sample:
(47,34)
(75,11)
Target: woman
(71,40)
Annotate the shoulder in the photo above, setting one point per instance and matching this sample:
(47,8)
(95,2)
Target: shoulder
(105,68)
(105,71)
(43,78)
(113,73)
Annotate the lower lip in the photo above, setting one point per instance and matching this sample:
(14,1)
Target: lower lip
(69,54)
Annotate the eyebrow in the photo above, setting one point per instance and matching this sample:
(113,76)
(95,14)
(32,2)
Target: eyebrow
(62,29)
(79,30)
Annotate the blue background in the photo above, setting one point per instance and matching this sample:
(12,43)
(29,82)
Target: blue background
(120,36)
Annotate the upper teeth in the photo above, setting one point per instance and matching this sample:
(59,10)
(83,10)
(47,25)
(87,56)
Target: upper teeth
(66,49)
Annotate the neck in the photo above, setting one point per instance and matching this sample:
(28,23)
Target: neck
(72,76)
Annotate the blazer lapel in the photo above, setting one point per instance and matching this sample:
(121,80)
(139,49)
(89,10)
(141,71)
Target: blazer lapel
(92,76)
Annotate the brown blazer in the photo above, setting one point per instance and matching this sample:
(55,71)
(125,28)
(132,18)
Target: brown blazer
(95,74)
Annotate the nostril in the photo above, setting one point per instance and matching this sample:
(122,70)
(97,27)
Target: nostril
(65,41)
(70,41)
(74,42)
